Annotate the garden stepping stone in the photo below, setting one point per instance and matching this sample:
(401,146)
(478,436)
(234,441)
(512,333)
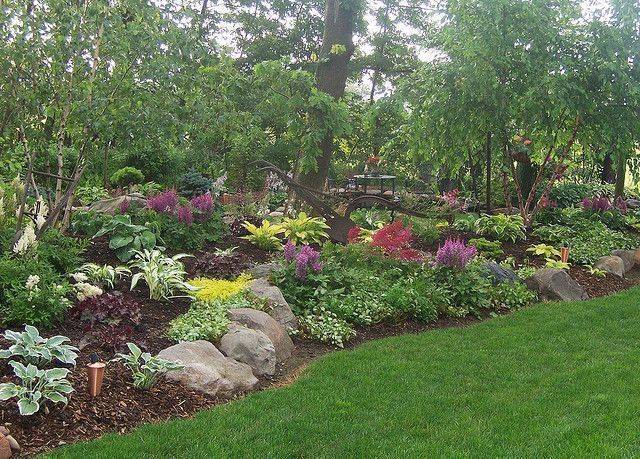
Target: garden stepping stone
(251,347)
(258,320)
(207,370)
(556,284)
(611,264)
(628,257)
(279,308)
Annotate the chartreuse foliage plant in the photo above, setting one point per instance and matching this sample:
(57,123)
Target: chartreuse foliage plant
(502,227)
(544,250)
(305,229)
(33,349)
(207,289)
(145,368)
(36,387)
(265,237)
(127,176)
(471,402)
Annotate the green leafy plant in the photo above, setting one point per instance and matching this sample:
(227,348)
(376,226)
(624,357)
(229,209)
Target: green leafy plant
(88,194)
(544,250)
(596,271)
(265,237)
(465,222)
(325,326)
(557,264)
(512,295)
(163,275)
(145,368)
(305,229)
(104,274)
(36,387)
(33,349)
(125,238)
(490,249)
(206,320)
(127,176)
(502,227)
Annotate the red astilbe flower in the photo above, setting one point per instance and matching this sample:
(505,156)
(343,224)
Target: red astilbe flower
(165,202)
(597,204)
(394,240)
(354,234)
(185,215)
(455,254)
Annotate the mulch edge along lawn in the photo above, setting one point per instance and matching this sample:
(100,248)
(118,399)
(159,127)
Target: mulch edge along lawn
(555,379)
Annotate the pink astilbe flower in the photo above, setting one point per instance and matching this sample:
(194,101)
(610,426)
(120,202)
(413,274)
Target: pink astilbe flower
(451,197)
(165,202)
(307,258)
(455,254)
(124,206)
(354,234)
(203,204)
(185,215)
(289,251)
(597,204)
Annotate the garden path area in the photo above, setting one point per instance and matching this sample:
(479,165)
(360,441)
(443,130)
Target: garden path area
(536,382)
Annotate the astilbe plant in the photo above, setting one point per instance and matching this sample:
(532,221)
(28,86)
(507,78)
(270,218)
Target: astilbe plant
(165,202)
(455,254)
(185,215)
(305,259)
(203,204)
(597,204)
(394,240)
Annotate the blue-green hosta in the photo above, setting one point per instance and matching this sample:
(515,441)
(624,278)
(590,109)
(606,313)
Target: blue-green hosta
(33,349)
(145,368)
(36,387)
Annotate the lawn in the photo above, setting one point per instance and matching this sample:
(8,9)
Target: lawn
(556,379)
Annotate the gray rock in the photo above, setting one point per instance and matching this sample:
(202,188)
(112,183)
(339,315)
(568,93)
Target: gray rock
(207,370)
(628,258)
(611,264)
(499,274)
(556,284)
(251,347)
(258,320)
(633,203)
(112,205)
(264,269)
(279,309)
(276,214)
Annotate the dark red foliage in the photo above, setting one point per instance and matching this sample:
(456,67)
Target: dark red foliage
(212,265)
(112,337)
(394,240)
(109,308)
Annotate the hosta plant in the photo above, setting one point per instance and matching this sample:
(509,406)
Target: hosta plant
(36,387)
(544,250)
(502,227)
(33,349)
(557,264)
(305,229)
(163,275)
(265,237)
(105,274)
(146,369)
(125,238)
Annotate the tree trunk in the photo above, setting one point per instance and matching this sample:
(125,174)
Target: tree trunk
(331,75)
(621,171)
(488,166)
(607,175)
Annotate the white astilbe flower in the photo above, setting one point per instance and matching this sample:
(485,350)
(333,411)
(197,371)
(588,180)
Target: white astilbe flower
(84,291)
(32,282)
(2,213)
(26,242)
(80,277)
(40,221)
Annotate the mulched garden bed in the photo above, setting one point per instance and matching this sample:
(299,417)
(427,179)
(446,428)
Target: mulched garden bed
(122,407)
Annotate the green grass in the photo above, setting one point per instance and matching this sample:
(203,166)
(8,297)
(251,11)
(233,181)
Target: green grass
(557,380)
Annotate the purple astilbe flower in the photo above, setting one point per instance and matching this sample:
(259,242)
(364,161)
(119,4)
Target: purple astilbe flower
(289,251)
(597,204)
(307,258)
(185,215)
(455,254)
(203,204)
(124,206)
(165,202)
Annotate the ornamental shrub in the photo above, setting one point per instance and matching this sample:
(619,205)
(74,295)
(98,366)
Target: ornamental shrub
(127,176)
(455,254)
(219,289)
(193,183)
(394,240)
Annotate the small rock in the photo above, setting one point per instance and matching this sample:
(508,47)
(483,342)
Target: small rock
(633,203)
(258,320)
(5,448)
(15,446)
(251,347)
(611,264)
(499,274)
(4,430)
(207,370)
(279,308)
(276,214)
(264,269)
(628,257)
(556,284)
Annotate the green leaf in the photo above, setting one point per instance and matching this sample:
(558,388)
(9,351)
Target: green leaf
(148,240)
(117,242)
(56,397)
(7,391)
(27,407)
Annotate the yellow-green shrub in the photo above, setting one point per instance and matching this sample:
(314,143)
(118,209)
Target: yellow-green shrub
(214,289)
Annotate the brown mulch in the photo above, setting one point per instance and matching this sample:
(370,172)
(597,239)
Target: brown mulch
(122,407)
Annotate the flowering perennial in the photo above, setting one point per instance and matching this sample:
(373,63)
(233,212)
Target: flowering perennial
(26,242)
(597,204)
(203,204)
(185,215)
(394,240)
(166,202)
(455,254)
(306,258)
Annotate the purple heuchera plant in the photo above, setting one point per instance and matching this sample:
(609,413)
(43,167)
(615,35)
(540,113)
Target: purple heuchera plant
(203,204)
(185,215)
(305,259)
(455,254)
(166,202)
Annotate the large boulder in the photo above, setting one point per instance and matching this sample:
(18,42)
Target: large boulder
(264,269)
(112,205)
(628,258)
(279,309)
(611,264)
(499,274)
(556,284)
(207,370)
(251,347)
(258,320)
